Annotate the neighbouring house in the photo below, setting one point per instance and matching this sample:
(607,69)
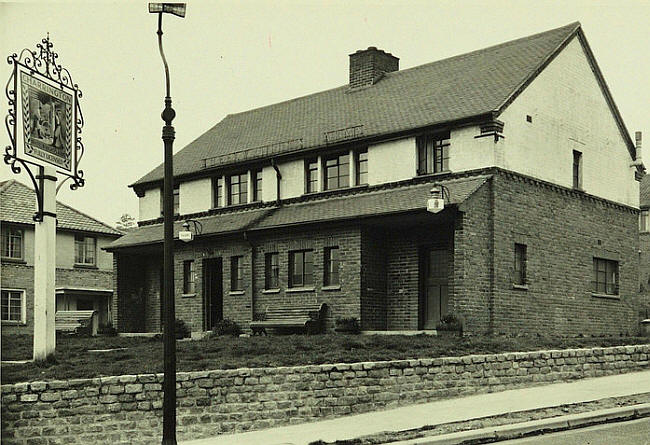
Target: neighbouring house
(84,272)
(323,199)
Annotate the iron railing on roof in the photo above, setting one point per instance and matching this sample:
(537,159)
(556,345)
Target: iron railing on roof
(253,153)
(343,134)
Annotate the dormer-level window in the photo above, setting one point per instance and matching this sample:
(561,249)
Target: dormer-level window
(238,189)
(177,200)
(256,176)
(311,175)
(361,158)
(85,250)
(337,171)
(12,243)
(217,192)
(433,153)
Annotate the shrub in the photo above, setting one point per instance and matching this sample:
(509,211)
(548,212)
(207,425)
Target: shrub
(227,327)
(348,325)
(182,329)
(107,330)
(449,322)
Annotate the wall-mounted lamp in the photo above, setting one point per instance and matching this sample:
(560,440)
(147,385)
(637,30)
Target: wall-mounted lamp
(186,234)
(436,201)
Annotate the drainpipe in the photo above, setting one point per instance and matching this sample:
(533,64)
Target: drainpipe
(252,246)
(278,179)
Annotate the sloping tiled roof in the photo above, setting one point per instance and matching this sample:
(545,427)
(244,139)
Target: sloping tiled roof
(18,205)
(644,199)
(376,201)
(445,91)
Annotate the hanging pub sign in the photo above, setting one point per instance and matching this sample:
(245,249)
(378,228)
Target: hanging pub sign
(45,120)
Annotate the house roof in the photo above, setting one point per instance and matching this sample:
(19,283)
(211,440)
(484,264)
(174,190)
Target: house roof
(358,203)
(18,205)
(470,85)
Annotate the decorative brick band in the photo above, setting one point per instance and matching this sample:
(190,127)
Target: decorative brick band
(128,409)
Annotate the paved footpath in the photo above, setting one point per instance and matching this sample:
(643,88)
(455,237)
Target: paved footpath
(443,411)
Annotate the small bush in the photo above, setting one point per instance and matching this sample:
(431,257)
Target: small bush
(348,325)
(107,330)
(227,327)
(449,322)
(182,329)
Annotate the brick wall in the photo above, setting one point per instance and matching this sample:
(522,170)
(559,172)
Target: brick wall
(128,409)
(374,280)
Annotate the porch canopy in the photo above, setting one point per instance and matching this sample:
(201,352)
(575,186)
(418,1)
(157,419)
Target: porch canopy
(339,205)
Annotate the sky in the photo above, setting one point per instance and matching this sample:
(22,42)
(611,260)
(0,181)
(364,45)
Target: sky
(231,56)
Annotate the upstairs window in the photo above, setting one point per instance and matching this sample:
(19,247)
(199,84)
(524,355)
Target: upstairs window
(577,169)
(189,277)
(85,249)
(362,167)
(433,153)
(177,200)
(332,266)
(643,221)
(217,192)
(238,189)
(12,243)
(605,277)
(257,184)
(236,274)
(337,172)
(271,271)
(301,268)
(311,176)
(520,265)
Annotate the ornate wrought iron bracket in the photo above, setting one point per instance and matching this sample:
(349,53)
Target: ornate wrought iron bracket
(42,61)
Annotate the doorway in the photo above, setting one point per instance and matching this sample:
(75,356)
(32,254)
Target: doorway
(434,300)
(212,292)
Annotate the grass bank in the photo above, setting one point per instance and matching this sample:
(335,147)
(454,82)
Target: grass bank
(145,355)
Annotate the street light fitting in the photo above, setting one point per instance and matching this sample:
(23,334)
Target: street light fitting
(177,9)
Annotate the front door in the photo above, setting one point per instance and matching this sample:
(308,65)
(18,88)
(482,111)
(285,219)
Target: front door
(435,272)
(212,292)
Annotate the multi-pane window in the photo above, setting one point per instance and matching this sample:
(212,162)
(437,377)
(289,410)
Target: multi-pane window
(362,167)
(236,273)
(605,276)
(84,252)
(311,175)
(12,242)
(332,261)
(433,153)
(520,264)
(217,192)
(643,221)
(238,189)
(257,185)
(177,200)
(189,277)
(271,271)
(11,305)
(301,268)
(577,169)
(337,172)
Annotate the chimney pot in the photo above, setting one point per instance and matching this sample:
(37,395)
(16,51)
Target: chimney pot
(368,66)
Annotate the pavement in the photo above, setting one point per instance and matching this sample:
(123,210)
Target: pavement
(459,409)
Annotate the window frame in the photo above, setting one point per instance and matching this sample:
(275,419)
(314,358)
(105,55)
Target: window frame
(236,273)
(433,153)
(242,195)
(218,188)
(256,177)
(342,176)
(311,167)
(189,277)
(332,266)
(23,306)
(644,220)
(82,238)
(608,267)
(520,267)
(302,254)
(271,271)
(358,164)
(6,237)
(577,170)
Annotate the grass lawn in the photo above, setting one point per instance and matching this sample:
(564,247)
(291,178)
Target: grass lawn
(145,355)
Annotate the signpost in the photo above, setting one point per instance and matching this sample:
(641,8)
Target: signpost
(44,123)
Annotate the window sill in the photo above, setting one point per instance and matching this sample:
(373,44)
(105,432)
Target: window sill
(331,288)
(85,266)
(13,323)
(606,296)
(236,292)
(271,291)
(190,295)
(13,260)
(433,175)
(520,286)
(335,191)
(300,289)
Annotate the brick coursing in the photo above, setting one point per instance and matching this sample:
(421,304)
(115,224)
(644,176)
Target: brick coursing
(127,409)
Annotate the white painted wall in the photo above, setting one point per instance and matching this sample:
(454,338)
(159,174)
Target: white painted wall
(149,205)
(293,179)
(569,113)
(195,196)
(65,251)
(392,161)
(466,152)
(269,184)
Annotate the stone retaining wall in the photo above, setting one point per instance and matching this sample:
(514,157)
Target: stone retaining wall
(128,409)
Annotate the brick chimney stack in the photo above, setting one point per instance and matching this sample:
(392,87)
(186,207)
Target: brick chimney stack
(368,66)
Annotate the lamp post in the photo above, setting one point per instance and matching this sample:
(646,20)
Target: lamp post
(169,336)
